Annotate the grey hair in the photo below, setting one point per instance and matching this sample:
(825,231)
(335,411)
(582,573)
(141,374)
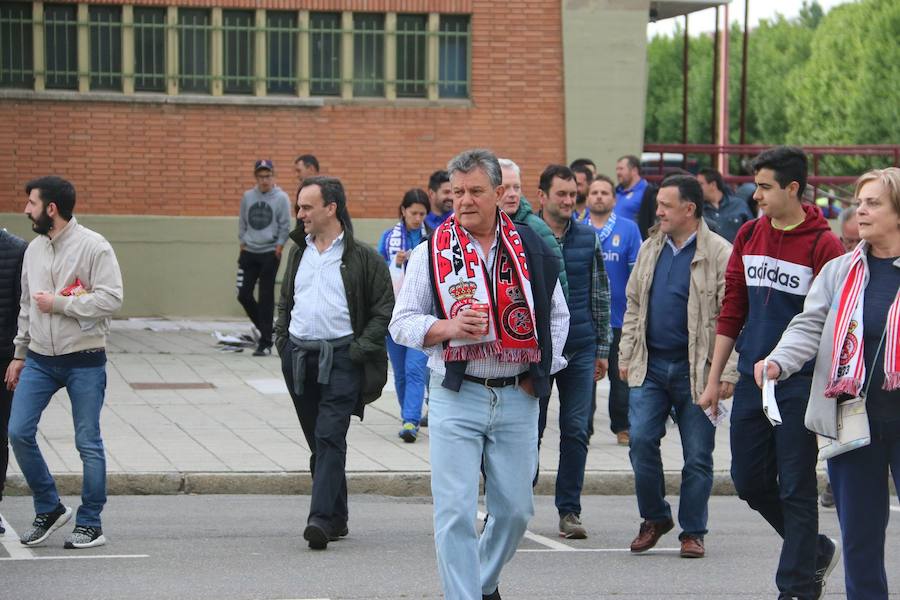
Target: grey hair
(846,214)
(505,163)
(469,160)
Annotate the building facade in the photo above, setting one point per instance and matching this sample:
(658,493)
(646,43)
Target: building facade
(157,110)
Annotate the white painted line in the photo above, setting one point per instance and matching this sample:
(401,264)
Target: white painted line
(570,549)
(895,508)
(79,557)
(543,541)
(268,386)
(12,545)
(550,543)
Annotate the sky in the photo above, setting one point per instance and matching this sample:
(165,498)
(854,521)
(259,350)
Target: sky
(759,9)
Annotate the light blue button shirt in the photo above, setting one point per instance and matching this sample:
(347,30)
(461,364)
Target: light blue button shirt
(320,300)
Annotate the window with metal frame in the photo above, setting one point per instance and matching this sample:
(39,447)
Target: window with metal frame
(61,46)
(16,50)
(194,35)
(368,54)
(149,49)
(325,54)
(238,27)
(453,75)
(412,44)
(105,43)
(281,52)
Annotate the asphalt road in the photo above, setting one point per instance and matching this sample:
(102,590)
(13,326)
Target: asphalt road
(250,547)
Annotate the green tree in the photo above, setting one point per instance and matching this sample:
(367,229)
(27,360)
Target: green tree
(850,89)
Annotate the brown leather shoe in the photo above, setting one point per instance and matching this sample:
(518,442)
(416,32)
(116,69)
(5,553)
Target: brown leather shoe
(692,547)
(623,438)
(650,533)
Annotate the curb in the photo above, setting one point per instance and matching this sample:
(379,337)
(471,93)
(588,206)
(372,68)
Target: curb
(401,484)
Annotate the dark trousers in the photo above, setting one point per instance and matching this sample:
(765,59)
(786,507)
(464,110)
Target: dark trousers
(618,389)
(574,385)
(774,471)
(262,268)
(6,397)
(859,480)
(618,392)
(324,411)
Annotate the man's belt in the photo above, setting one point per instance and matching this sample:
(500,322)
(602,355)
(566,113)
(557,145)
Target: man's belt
(497,382)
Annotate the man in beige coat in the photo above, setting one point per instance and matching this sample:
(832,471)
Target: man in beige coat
(674,295)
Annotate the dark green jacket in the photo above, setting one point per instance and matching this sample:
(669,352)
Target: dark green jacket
(527,216)
(370,299)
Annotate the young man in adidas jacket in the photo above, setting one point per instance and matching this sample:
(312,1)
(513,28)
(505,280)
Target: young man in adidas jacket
(774,261)
(71,286)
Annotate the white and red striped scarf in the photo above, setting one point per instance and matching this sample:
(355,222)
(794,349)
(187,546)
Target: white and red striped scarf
(460,279)
(848,369)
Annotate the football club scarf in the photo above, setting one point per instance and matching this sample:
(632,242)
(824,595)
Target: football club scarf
(606,230)
(848,369)
(460,279)
(398,241)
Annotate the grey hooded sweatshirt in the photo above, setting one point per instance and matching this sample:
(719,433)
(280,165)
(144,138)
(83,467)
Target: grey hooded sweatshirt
(265,220)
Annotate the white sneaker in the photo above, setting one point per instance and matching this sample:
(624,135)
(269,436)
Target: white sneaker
(85,536)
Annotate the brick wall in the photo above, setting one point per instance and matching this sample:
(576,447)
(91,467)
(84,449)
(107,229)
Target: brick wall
(167,159)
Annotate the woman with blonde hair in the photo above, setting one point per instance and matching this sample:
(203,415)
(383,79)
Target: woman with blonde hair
(851,324)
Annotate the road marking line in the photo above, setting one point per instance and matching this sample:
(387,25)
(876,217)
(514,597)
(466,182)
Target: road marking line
(12,545)
(81,557)
(543,541)
(570,549)
(895,508)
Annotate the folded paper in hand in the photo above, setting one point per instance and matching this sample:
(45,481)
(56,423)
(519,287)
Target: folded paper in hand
(770,406)
(720,415)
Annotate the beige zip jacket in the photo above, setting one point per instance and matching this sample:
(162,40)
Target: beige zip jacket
(76,322)
(705,294)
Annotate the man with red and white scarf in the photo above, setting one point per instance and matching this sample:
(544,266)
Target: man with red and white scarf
(483,300)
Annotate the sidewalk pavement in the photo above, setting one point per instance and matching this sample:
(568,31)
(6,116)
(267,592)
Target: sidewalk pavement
(182,416)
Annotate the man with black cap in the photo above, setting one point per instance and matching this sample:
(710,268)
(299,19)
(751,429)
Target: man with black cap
(263,230)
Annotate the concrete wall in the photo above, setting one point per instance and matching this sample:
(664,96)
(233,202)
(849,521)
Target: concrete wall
(177,266)
(605,58)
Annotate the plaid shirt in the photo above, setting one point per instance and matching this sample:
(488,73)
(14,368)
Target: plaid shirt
(600,302)
(414,314)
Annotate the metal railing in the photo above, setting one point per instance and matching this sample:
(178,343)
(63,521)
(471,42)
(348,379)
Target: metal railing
(211,53)
(833,169)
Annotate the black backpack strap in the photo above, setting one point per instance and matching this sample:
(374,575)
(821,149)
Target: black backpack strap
(812,251)
(750,230)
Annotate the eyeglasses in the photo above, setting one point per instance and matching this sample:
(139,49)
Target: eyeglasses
(268,176)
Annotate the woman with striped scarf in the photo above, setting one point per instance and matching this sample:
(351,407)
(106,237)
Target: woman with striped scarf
(851,324)
(409,364)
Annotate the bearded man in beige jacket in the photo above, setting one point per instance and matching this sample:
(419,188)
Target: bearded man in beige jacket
(71,286)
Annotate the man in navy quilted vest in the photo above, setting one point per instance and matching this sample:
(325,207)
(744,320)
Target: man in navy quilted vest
(587,346)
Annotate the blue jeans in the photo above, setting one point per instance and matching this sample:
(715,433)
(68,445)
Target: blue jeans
(86,387)
(861,495)
(667,387)
(575,384)
(774,471)
(500,425)
(410,374)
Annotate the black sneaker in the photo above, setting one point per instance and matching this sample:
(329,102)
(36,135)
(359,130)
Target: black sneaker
(2,528)
(85,536)
(825,564)
(317,536)
(263,350)
(46,523)
(495,595)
